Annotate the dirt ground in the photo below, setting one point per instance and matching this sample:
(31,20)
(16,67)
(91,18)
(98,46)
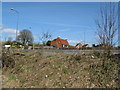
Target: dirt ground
(58,70)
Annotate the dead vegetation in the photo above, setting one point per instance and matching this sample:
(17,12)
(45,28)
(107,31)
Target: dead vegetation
(58,70)
(7,60)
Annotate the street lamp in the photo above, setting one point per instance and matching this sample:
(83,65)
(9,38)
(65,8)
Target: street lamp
(17,20)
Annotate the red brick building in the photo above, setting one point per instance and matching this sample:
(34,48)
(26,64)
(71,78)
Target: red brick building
(59,43)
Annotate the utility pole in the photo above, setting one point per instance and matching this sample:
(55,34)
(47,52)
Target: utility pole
(84,40)
(17,21)
(33,40)
(84,37)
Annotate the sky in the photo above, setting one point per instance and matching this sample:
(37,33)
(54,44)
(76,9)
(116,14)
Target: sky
(74,21)
(119,25)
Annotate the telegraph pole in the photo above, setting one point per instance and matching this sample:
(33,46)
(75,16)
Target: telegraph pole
(17,20)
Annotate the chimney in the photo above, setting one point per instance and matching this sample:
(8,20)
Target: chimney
(66,39)
(58,36)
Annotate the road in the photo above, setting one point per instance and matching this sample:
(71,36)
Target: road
(66,51)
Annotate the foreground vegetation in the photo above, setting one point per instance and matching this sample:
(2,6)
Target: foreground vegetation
(59,70)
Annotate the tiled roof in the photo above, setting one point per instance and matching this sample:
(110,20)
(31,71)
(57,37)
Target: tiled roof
(62,41)
(59,42)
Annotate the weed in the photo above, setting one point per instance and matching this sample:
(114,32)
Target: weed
(27,69)
(12,77)
(49,56)
(58,62)
(22,81)
(56,84)
(66,71)
(86,69)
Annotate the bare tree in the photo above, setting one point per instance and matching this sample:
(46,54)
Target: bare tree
(25,37)
(107,25)
(45,37)
(106,29)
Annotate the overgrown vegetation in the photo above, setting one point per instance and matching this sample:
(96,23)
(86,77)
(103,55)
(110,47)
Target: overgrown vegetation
(60,70)
(7,60)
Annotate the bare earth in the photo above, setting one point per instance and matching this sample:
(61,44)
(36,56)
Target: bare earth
(59,70)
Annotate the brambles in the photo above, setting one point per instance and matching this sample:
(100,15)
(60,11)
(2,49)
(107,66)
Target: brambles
(7,60)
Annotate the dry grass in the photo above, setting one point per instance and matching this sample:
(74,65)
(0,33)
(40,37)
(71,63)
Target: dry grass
(59,70)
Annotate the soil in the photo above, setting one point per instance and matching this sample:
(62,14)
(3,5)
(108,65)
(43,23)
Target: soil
(58,70)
